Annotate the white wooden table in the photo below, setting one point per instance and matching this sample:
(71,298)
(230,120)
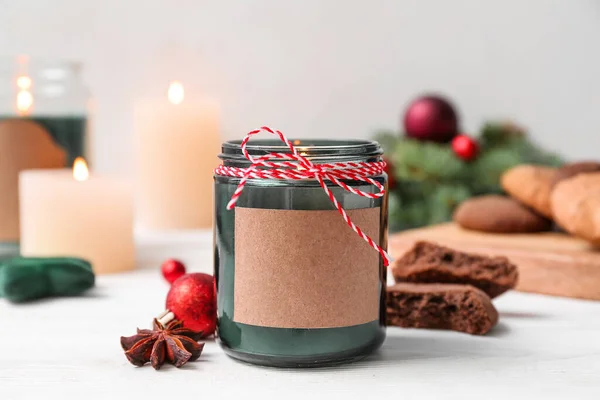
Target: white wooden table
(69,348)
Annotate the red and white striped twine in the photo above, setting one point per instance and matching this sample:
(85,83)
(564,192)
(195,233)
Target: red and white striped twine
(294,166)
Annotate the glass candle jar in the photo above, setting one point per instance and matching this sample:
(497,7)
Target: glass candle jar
(42,125)
(296,286)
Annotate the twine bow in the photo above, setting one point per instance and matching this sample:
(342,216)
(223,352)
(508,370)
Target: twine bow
(295,166)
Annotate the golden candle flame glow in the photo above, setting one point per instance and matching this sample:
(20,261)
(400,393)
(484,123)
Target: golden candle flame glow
(24,82)
(296,142)
(176,92)
(24,101)
(80,170)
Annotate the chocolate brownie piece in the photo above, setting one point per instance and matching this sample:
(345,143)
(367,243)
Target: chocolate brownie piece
(460,308)
(430,263)
(570,170)
(499,214)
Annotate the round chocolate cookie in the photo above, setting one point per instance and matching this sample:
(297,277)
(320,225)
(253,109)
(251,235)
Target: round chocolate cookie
(531,185)
(570,170)
(499,214)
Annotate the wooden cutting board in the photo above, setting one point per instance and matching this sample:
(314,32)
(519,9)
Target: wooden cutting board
(549,263)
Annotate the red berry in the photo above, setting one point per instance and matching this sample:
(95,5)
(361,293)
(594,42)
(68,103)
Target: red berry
(192,299)
(172,269)
(389,170)
(465,147)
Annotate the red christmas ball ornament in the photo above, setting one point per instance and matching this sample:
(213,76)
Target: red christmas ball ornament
(431,118)
(192,300)
(389,170)
(465,147)
(172,269)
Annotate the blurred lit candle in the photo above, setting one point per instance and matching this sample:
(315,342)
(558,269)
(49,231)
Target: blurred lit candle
(177,143)
(70,213)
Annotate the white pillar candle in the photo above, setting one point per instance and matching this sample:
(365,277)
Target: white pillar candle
(177,142)
(88,217)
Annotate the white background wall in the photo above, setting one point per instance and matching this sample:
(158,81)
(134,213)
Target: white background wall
(324,67)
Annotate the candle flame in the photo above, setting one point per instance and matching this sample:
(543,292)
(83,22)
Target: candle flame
(24,101)
(80,170)
(176,92)
(24,82)
(296,142)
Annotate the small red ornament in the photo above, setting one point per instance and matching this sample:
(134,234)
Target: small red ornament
(465,147)
(172,269)
(192,300)
(431,118)
(389,170)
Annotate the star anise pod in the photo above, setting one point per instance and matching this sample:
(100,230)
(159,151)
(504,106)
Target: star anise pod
(171,342)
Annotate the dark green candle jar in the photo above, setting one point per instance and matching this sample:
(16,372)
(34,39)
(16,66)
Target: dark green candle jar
(296,285)
(43,121)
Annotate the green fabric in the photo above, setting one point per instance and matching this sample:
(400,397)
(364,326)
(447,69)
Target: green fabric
(432,180)
(24,279)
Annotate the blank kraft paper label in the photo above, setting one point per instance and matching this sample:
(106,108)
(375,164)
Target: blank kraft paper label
(305,269)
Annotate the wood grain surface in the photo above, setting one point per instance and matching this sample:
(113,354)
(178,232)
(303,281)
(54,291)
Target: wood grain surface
(549,263)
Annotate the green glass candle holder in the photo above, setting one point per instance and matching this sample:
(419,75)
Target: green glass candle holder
(339,339)
(43,124)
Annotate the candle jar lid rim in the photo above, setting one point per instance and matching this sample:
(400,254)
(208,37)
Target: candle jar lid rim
(314,149)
